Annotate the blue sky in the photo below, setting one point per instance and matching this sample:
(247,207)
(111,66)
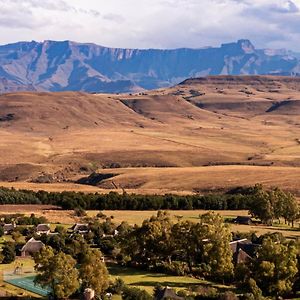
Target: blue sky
(153,23)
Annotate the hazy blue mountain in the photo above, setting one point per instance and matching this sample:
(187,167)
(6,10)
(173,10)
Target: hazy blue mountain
(59,66)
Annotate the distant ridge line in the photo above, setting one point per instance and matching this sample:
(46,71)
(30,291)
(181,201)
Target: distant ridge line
(70,66)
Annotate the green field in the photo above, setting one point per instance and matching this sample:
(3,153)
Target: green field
(147,280)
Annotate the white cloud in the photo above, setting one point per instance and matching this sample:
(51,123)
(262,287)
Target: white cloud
(153,23)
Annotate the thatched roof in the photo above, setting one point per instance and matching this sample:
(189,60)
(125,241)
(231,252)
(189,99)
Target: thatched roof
(234,245)
(32,246)
(43,227)
(9,227)
(241,257)
(243,220)
(243,250)
(80,227)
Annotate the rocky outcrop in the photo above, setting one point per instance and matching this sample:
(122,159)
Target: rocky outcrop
(66,65)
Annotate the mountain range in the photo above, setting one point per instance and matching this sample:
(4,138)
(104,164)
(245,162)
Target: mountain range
(71,66)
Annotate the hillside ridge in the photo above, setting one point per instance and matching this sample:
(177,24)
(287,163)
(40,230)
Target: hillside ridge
(245,121)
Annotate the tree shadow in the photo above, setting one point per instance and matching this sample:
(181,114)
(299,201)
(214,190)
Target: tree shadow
(172,284)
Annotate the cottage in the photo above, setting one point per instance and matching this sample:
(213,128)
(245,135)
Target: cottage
(234,244)
(43,229)
(168,293)
(243,250)
(9,228)
(31,247)
(80,228)
(243,220)
(115,233)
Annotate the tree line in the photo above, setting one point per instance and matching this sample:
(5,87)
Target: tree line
(113,200)
(266,205)
(237,199)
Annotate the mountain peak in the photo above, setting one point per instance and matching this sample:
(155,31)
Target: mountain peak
(246,46)
(243,46)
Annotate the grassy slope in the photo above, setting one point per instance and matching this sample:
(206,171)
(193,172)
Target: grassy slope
(68,135)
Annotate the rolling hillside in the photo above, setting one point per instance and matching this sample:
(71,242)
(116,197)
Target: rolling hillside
(188,137)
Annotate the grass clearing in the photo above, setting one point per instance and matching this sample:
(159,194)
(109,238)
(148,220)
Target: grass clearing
(147,280)
(137,217)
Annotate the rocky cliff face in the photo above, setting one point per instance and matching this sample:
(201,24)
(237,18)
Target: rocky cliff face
(60,66)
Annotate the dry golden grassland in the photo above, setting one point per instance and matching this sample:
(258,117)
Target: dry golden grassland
(184,180)
(170,135)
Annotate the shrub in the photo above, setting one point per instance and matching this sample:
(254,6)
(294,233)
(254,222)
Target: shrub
(130,293)
(9,253)
(117,287)
(176,268)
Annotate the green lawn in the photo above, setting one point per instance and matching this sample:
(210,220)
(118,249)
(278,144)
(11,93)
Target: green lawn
(54,225)
(6,238)
(148,280)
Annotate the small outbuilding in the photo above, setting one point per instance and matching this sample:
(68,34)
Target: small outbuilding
(243,250)
(243,220)
(80,228)
(9,228)
(31,247)
(43,229)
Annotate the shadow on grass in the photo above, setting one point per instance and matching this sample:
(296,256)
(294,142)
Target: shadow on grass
(126,271)
(176,284)
(173,284)
(162,279)
(129,271)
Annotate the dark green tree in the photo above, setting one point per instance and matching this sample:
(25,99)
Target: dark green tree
(275,267)
(262,205)
(93,272)
(130,293)
(9,253)
(1,231)
(56,271)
